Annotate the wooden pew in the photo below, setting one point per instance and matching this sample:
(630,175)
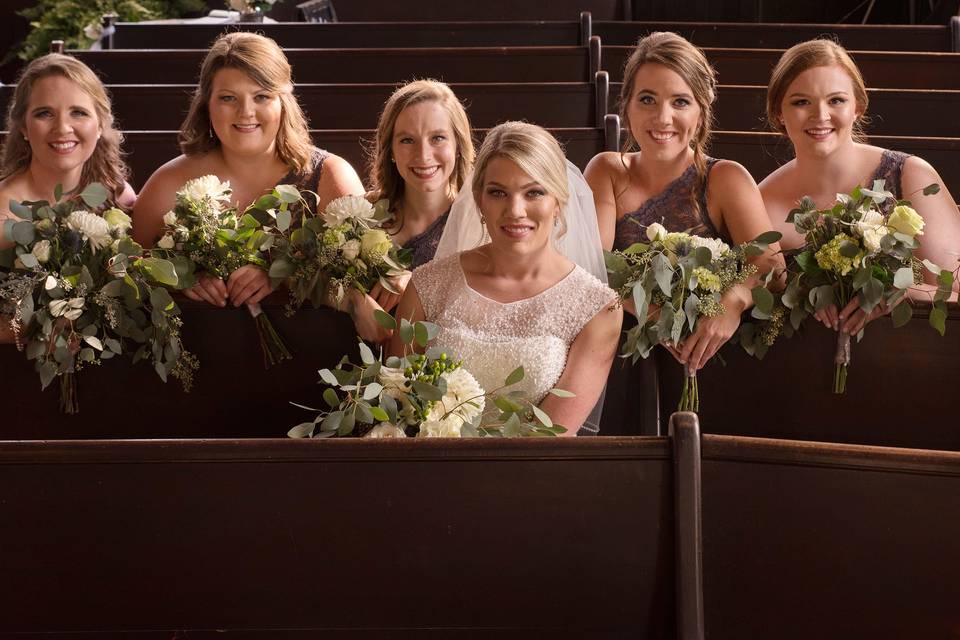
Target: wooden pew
(135,35)
(450,64)
(806,540)
(288,538)
(358,106)
(869,37)
(490,10)
(881,69)
(892,112)
(901,389)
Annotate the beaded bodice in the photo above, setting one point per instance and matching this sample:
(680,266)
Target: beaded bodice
(494,338)
(673,208)
(423,246)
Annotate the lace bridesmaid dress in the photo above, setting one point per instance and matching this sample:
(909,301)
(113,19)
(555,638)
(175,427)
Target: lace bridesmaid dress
(494,338)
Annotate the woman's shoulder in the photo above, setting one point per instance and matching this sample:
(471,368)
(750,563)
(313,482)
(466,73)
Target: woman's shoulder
(177,171)
(611,164)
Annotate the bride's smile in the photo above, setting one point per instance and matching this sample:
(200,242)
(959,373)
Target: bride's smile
(517,209)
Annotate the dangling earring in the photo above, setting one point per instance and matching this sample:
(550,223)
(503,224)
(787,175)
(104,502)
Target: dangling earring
(210,131)
(556,221)
(482,219)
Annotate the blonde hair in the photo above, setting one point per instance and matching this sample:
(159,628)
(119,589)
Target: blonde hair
(531,148)
(105,165)
(807,55)
(688,62)
(262,59)
(385,180)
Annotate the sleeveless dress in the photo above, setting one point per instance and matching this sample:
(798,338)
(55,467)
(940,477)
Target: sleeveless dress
(671,207)
(494,338)
(423,246)
(308,179)
(890,170)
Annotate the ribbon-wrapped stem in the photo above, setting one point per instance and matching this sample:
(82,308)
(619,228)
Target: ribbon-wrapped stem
(271,344)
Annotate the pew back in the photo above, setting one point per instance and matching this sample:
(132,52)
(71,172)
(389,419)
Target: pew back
(799,538)
(441,538)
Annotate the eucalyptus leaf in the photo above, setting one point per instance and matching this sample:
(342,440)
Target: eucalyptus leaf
(406,331)
(691,311)
(931,189)
(346,424)
(302,430)
(384,319)
(288,193)
(507,405)
(371,391)
(23,233)
(663,272)
(47,371)
(29,260)
(160,270)
(366,355)
(328,377)
(871,294)
(94,195)
(420,334)
(562,393)
(331,398)
(426,390)
(938,317)
(21,211)
(332,421)
(515,376)
(284,218)
(901,314)
(511,428)
(379,414)
(762,299)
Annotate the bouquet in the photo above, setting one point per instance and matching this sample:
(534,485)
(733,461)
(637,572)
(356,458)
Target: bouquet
(247,6)
(82,292)
(685,276)
(426,395)
(856,251)
(343,248)
(203,231)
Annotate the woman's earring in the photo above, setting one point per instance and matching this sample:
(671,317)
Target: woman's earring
(210,131)
(556,221)
(482,219)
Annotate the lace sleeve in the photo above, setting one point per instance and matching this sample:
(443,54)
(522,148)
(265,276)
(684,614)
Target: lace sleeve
(587,296)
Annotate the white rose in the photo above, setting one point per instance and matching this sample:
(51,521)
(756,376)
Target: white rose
(166,242)
(449,428)
(385,430)
(41,251)
(94,31)
(205,187)
(656,231)
(170,219)
(872,229)
(350,250)
(464,397)
(717,247)
(92,227)
(345,208)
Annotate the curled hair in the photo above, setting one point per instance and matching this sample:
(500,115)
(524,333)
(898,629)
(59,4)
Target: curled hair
(688,62)
(262,59)
(385,180)
(106,164)
(807,55)
(531,148)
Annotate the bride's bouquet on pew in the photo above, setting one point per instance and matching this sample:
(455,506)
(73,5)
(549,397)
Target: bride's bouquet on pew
(426,395)
(675,280)
(204,233)
(855,251)
(82,292)
(343,248)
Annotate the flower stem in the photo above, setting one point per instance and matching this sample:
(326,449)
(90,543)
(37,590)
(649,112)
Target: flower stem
(271,344)
(68,394)
(690,395)
(841,359)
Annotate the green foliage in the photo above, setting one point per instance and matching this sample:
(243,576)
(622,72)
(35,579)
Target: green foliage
(76,22)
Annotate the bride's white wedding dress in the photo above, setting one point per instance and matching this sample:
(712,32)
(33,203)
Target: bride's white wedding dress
(494,338)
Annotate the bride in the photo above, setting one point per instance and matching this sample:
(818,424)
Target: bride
(516,277)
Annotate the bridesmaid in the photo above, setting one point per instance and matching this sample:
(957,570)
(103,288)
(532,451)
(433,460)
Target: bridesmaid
(817,98)
(245,126)
(665,175)
(422,155)
(60,130)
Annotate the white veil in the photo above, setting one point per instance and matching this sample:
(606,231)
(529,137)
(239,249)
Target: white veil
(580,244)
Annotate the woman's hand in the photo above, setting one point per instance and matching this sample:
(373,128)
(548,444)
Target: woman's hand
(361,306)
(208,289)
(385,298)
(711,333)
(851,319)
(248,285)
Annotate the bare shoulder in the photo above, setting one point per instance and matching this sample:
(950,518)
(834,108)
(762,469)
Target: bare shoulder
(728,173)
(177,171)
(338,168)
(337,179)
(610,164)
(781,179)
(916,169)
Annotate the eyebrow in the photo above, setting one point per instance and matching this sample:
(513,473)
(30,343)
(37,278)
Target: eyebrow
(676,95)
(797,94)
(45,106)
(493,183)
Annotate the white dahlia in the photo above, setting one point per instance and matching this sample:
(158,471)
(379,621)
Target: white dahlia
(464,397)
(385,430)
(92,227)
(717,247)
(448,428)
(345,208)
(205,188)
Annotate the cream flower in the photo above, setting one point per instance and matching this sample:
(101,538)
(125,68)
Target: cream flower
(464,397)
(906,221)
(94,31)
(374,245)
(170,218)
(395,385)
(717,247)
(92,227)
(166,242)
(206,187)
(449,428)
(41,251)
(346,207)
(350,250)
(117,220)
(656,231)
(385,430)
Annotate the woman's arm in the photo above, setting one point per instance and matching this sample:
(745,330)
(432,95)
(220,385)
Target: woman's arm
(585,374)
(158,196)
(337,179)
(601,175)
(940,242)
